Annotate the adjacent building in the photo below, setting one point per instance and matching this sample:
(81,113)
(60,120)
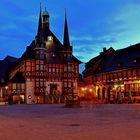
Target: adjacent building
(47,71)
(113,75)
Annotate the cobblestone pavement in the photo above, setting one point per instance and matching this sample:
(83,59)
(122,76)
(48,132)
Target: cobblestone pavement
(54,122)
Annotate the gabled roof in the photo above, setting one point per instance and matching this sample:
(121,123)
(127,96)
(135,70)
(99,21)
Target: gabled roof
(116,60)
(6,64)
(18,78)
(121,59)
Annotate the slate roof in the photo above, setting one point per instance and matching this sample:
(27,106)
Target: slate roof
(5,65)
(117,60)
(18,78)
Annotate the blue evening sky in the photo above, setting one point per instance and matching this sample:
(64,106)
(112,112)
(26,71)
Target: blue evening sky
(93,24)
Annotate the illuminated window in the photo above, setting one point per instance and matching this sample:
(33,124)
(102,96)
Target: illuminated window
(65,68)
(69,84)
(37,83)
(65,84)
(53,69)
(14,86)
(120,64)
(50,70)
(50,38)
(41,83)
(53,55)
(136,60)
(69,68)
(69,55)
(41,67)
(37,67)
(57,70)
(18,86)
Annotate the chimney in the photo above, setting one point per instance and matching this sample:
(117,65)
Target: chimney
(104,49)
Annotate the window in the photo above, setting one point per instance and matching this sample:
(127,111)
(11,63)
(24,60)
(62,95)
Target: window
(37,67)
(37,83)
(69,68)
(14,86)
(65,68)
(28,68)
(50,38)
(41,67)
(50,70)
(65,84)
(69,84)
(41,83)
(136,60)
(18,86)
(69,55)
(53,55)
(57,70)
(22,86)
(53,69)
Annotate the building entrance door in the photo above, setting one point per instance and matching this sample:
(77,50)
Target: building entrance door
(18,99)
(53,88)
(103,93)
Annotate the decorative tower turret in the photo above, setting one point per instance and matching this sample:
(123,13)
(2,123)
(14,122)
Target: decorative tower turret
(40,63)
(46,23)
(40,47)
(66,40)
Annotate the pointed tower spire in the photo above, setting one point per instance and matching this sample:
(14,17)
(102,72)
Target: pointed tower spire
(66,41)
(40,30)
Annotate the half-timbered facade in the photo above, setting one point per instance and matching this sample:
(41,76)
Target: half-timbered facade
(46,72)
(113,76)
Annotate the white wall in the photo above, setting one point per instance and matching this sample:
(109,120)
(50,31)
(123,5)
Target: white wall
(75,87)
(29,91)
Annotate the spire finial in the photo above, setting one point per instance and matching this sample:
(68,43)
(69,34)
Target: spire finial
(66,41)
(39,33)
(65,14)
(40,6)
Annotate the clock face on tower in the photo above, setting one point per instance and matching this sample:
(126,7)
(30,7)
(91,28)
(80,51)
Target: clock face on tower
(50,38)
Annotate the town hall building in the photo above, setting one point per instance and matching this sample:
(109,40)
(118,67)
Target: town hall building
(47,72)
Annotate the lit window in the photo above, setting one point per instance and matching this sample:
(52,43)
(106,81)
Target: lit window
(135,60)
(37,67)
(14,86)
(18,86)
(65,84)
(50,70)
(69,68)
(69,55)
(53,70)
(50,38)
(120,64)
(53,55)
(69,84)
(65,68)
(41,83)
(37,83)
(41,67)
